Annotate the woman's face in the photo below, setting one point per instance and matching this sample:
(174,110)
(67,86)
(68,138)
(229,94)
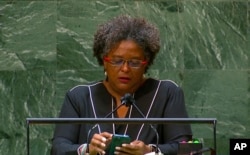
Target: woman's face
(125,76)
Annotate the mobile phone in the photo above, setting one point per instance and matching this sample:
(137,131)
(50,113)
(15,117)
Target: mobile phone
(118,140)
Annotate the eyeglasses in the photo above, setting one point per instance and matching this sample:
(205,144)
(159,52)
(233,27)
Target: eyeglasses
(133,63)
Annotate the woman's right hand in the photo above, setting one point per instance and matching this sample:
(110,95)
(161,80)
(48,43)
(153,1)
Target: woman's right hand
(99,143)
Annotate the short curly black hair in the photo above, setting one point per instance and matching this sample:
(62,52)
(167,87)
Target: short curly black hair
(124,27)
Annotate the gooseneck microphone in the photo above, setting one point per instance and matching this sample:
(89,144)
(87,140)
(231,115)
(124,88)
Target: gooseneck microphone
(109,114)
(128,99)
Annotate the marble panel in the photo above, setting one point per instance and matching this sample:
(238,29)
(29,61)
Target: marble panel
(28,35)
(222,95)
(25,94)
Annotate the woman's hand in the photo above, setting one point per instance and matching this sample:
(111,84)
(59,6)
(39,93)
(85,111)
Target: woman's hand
(99,143)
(134,148)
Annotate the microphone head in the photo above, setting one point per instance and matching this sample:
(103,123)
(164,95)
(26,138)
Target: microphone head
(127,99)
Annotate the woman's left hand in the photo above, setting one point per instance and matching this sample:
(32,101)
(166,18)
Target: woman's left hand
(134,148)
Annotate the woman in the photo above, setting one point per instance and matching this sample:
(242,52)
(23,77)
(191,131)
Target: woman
(125,47)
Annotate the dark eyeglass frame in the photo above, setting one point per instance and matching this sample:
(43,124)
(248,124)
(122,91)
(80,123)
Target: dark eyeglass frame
(129,62)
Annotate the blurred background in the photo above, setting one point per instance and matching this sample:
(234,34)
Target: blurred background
(46,49)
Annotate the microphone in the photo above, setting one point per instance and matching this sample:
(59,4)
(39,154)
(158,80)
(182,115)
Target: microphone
(109,114)
(128,99)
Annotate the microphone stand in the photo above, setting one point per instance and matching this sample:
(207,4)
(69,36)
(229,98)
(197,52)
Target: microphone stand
(130,100)
(126,100)
(90,131)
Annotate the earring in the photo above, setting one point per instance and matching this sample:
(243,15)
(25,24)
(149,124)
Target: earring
(105,73)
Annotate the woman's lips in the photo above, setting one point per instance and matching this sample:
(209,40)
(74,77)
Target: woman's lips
(124,79)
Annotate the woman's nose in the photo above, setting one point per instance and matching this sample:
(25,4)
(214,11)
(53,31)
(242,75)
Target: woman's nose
(125,66)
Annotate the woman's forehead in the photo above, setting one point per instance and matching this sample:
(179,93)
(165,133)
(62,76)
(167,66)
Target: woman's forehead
(127,47)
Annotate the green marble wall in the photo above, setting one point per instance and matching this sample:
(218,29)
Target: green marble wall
(45,49)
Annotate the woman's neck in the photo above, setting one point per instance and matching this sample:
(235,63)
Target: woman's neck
(118,94)
(122,111)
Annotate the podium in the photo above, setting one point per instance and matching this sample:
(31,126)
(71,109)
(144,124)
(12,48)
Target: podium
(30,121)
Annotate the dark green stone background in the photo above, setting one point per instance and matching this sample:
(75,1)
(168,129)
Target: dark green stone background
(46,48)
